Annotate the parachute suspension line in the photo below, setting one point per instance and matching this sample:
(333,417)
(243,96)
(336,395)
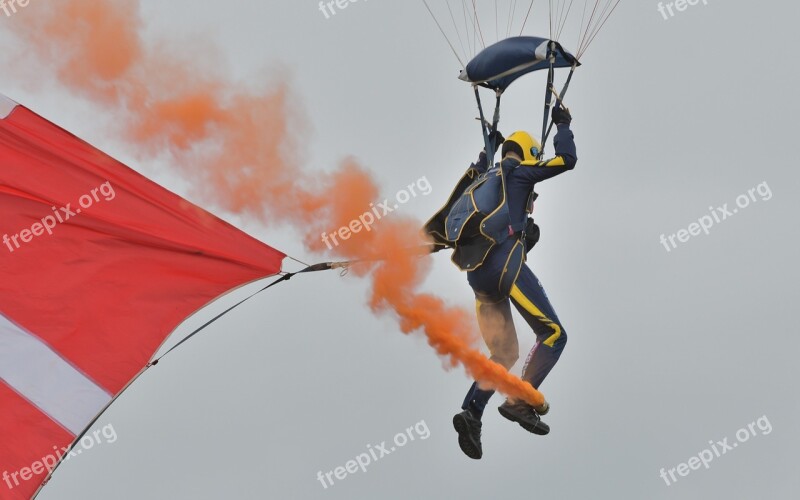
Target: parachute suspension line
(595,23)
(474,33)
(285,276)
(526,18)
(558,18)
(325,266)
(421,250)
(458,32)
(512,12)
(608,9)
(594,15)
(298,261)
(469,18)
(508,20)
(496,24)
(564,21)
(589,24)
(548,93)
(580,27)
(466,27)
(444,34)
(478,23)
(218,316)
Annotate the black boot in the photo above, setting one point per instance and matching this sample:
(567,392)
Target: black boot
(468,426)
(524,414)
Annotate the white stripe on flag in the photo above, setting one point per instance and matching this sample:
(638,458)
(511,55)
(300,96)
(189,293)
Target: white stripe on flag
(6,106)
(42,376)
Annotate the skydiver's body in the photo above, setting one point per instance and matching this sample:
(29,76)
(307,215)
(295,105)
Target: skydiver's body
(503,278)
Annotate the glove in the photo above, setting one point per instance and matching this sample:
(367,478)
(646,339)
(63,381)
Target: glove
(561,115)
(498,139)
(532,235)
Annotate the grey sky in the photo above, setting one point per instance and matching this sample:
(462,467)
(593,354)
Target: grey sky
(667,350)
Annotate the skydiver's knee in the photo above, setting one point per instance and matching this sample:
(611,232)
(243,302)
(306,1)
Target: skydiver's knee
(506,358)
(504,352)
(562,339)
(557,339)
(512,357)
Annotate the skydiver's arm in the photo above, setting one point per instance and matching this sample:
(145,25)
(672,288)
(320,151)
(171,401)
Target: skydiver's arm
(565,159)
(480,165)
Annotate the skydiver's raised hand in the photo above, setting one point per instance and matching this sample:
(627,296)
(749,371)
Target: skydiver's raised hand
(498,139)
(561,115)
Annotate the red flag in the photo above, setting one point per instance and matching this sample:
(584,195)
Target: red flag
(99,265)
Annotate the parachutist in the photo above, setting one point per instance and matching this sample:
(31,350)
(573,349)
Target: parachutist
(492,249)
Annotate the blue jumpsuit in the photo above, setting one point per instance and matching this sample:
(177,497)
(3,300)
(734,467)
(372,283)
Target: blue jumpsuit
(504,278)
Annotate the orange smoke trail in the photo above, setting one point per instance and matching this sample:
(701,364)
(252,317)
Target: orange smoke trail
(449,330)
(234,143)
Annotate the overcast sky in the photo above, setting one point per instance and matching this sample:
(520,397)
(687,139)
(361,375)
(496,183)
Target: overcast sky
(668,350)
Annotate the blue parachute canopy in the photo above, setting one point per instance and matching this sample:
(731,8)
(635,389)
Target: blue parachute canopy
(499,65)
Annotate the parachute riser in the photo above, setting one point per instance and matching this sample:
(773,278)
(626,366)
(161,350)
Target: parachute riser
(488,131)
(559,102)
(551,56)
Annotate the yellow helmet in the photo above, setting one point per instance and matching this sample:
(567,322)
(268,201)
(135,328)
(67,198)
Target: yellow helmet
(530,146)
